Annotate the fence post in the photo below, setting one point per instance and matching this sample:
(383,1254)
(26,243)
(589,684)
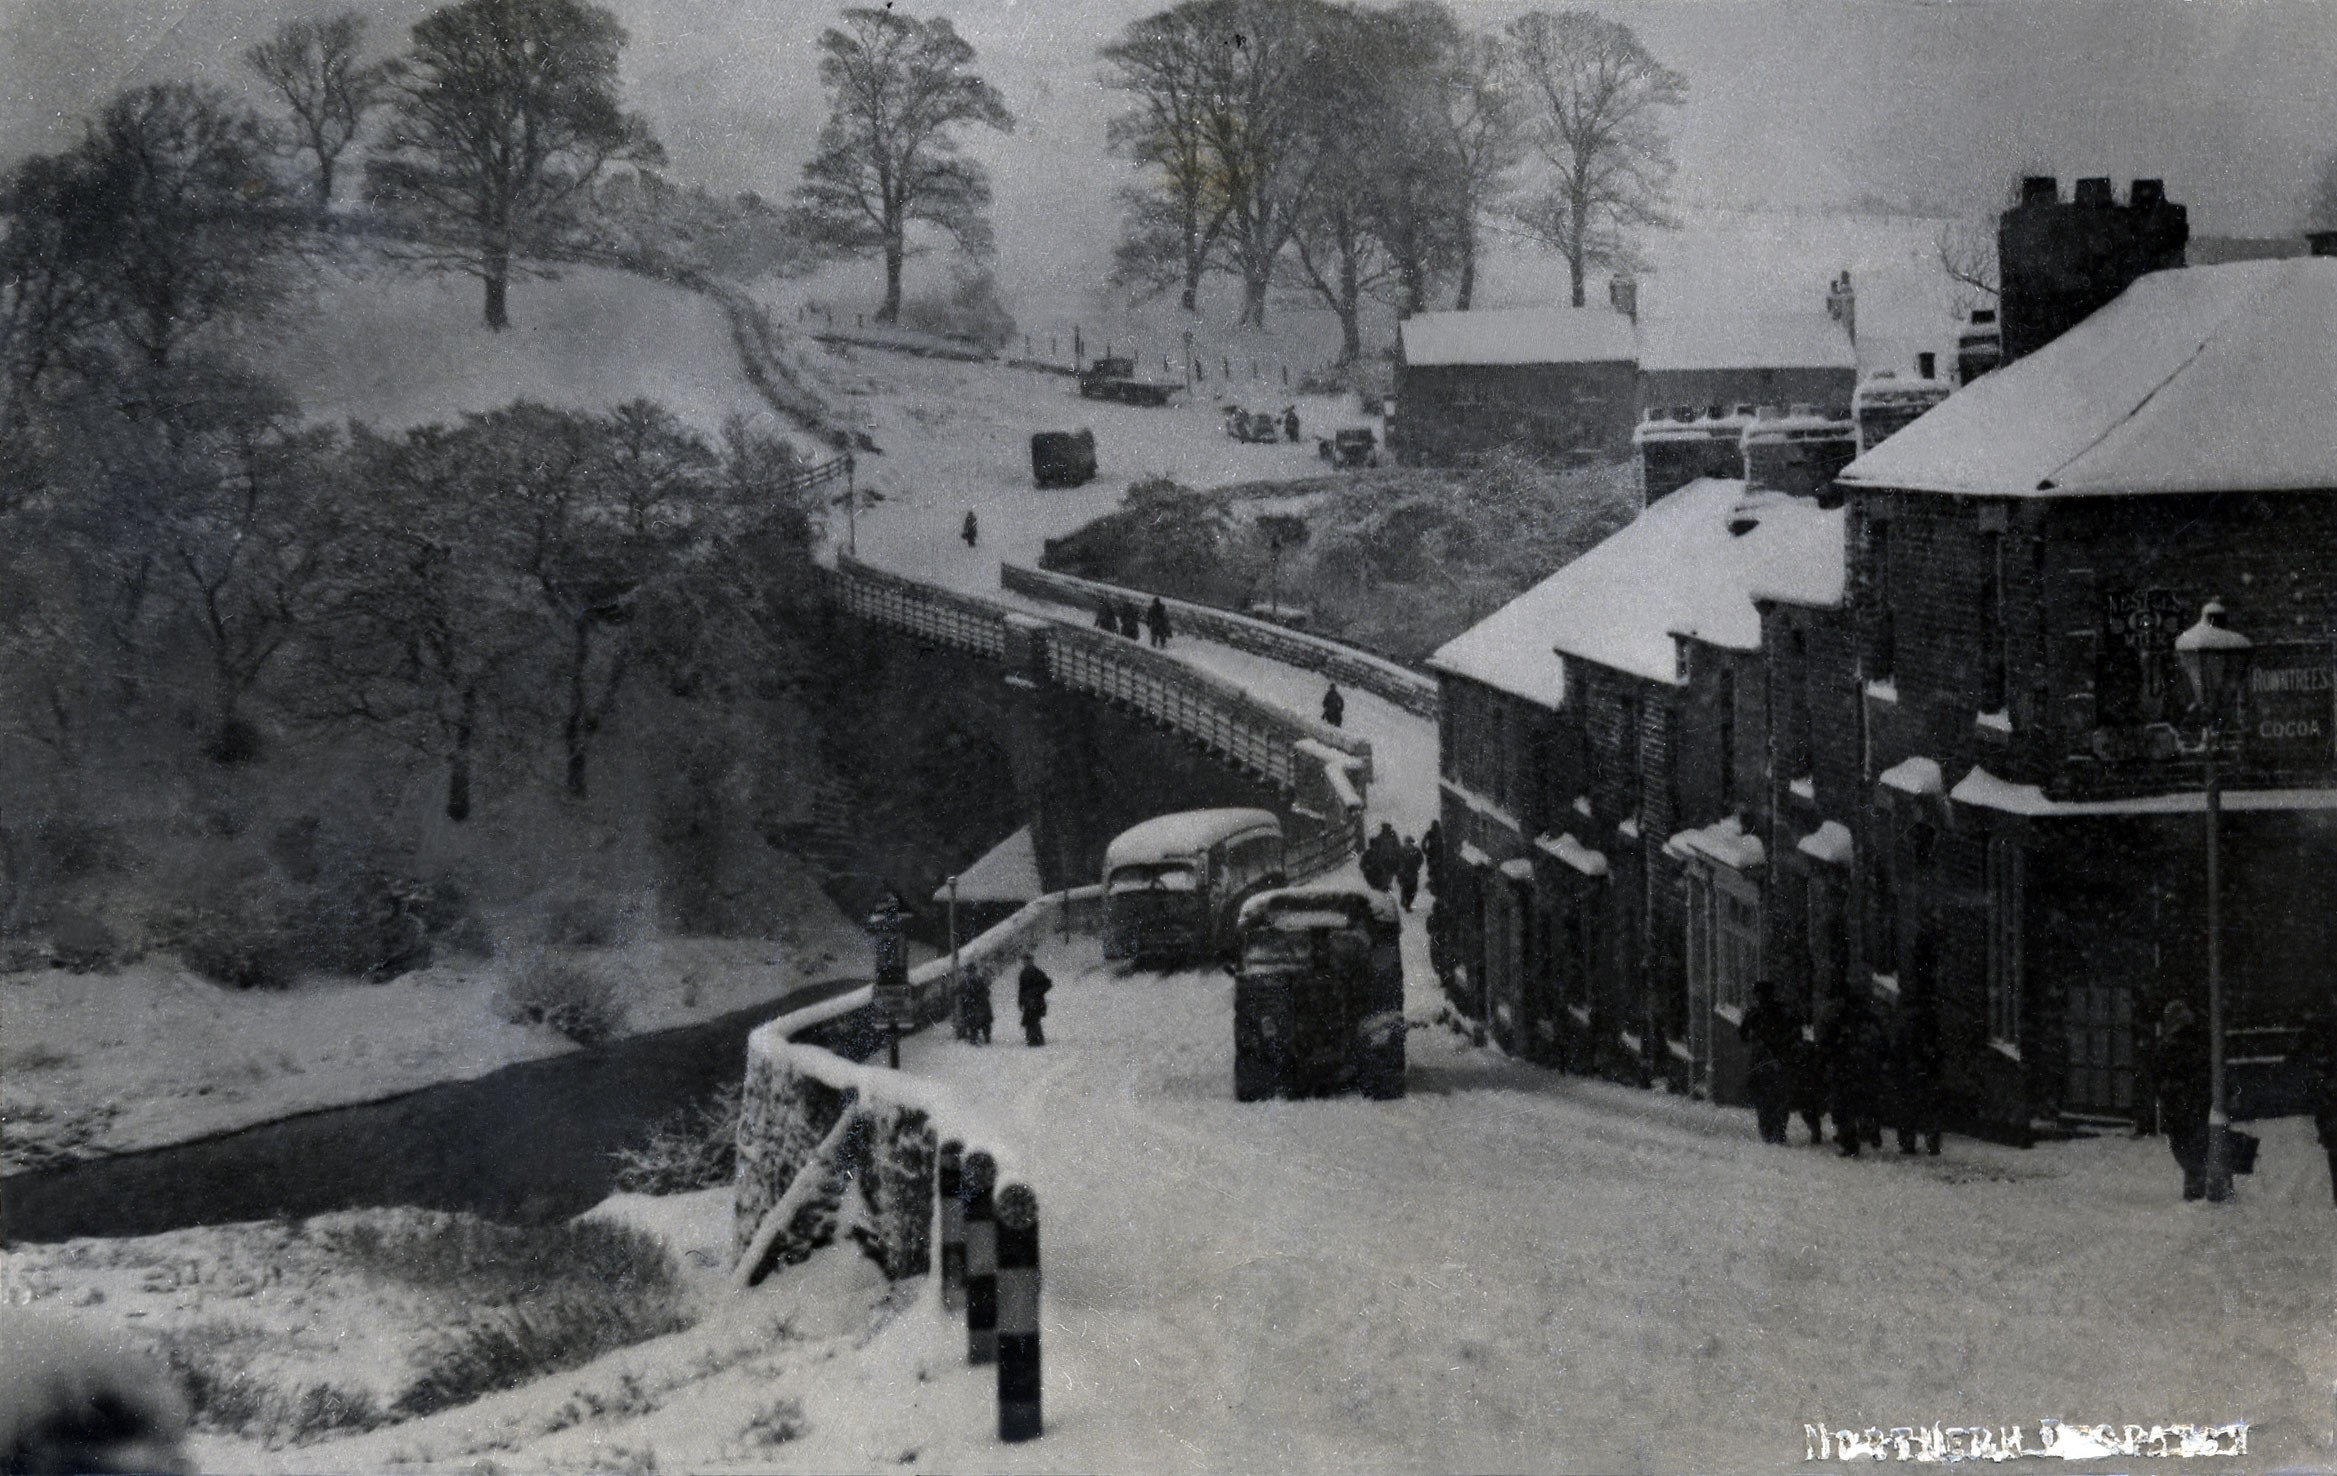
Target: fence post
(953,1227)
(981,1178)
(1018,1314)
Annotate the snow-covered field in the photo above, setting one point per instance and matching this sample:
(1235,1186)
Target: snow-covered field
(1505,1270)
(399,347)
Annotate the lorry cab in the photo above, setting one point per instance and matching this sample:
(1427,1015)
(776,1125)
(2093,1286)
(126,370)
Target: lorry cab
(1318,994)
(1173,885)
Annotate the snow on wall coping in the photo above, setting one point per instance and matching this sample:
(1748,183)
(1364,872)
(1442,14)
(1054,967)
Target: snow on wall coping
(1628,827)
(1676,569)
(1803,788)
(1186,833)
(1999,721)
(1517,868)
(1888,388)
(1810,340)
(1574,853)
(1007,872)
(2118,404)
(1830,843)
(1712,428)
(1984,790)
(1563,335)
(1920,776)
(1473,856)
(1724,841)
(1799,428)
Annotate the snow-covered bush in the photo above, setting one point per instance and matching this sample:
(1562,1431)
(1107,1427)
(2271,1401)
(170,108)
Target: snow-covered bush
(776,1423)
(693,1148)
(573,998)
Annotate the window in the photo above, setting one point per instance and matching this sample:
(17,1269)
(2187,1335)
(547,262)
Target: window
(1724,940)
(2005,875)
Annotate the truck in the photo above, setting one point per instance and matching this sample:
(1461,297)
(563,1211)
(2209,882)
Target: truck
(1318,994)
(1063,458)
(1113,378)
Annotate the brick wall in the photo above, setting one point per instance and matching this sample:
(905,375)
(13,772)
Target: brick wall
(1446,413)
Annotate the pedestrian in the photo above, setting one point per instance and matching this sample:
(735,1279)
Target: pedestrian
(2317,1048)
(1030,992)
(1772,1037)
(1131,624)
(1290,423)
(1432,851)
(2180,1063)
(1107,619)
(1408,862)
(974,1012)
(1808,1085)
(1915,1078)
(1382,857)
(1852,1048)
(972,531)
(1334,705)
(1157,618)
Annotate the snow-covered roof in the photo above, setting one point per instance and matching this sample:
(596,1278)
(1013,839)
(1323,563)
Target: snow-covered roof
(1573,853)
(1809,340)
(1984,790)
(1919,776)
(1186,833)
(1562,335)
(1336,904)
(1676,569)
(1725,841)
(1830,842)
(1007,872)
(2201,379)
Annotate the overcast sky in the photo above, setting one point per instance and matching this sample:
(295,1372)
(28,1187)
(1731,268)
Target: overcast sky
(1936,103)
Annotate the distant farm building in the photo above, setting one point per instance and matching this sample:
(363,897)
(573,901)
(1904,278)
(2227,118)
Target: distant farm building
(1555,383)
(1709,363)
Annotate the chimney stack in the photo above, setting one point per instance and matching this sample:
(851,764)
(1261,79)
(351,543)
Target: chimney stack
(2040,189)
(2096,193)
(2147,194)
(2059,262)
(1925,364)
(2323,243)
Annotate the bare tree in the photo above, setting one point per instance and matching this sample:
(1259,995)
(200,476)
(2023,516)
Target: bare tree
(51,275)
(1479,114)
(504,113)
(1173,225)
(1261,57)
(1593,97)
(313,68)
(899,92)
(1967,253)
(1366,189)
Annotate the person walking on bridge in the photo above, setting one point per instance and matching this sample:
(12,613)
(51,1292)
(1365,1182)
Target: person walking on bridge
(1408,862)
(974,1011)
(1130,624)
(1107,619)
(1334,706)
(1030,992)
(972,531)
(1157,618)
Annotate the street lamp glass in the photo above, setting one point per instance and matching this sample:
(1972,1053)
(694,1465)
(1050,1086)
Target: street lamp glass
(2215,659)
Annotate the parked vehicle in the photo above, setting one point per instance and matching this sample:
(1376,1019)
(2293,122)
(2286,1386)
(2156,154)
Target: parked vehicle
(1063,458)
(1318,994)
(1259,428)
(1116,379)
(1174,885)
(1352,446)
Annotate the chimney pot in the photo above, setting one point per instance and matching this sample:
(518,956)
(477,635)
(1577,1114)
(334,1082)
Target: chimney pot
(2095,191)
(1924,364)
(2040,189)
(2147,194)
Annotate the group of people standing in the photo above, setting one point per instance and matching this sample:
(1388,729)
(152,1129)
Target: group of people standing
(1866,1076)
(1396,860)
(1030,996)
(1119,617)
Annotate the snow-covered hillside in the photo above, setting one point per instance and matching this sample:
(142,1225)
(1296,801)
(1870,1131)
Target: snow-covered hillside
(398,347)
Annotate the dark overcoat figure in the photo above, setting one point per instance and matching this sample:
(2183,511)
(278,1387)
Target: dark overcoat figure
(1030,993)
(1131,625)
(974,1011)
(1382,856)
(1107,619)
(2318,1050)
(1807,1082)
(1915,1079)
(2180,1064)
(1290,422)
(1157,620)
(1853,1047)
(1334,706)
(1432,851)
(1771,1036)
(972,531)
(1408,862)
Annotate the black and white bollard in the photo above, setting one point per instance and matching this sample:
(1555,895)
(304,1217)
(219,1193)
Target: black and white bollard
(1018,1314)
(953,1228)
(981,1179)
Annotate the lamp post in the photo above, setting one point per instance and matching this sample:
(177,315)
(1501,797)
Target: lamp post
(956,980)
(2215,660)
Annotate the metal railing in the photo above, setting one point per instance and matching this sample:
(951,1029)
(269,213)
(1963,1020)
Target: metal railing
(941,616)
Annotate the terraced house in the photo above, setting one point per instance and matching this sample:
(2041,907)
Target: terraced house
(1922,733)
